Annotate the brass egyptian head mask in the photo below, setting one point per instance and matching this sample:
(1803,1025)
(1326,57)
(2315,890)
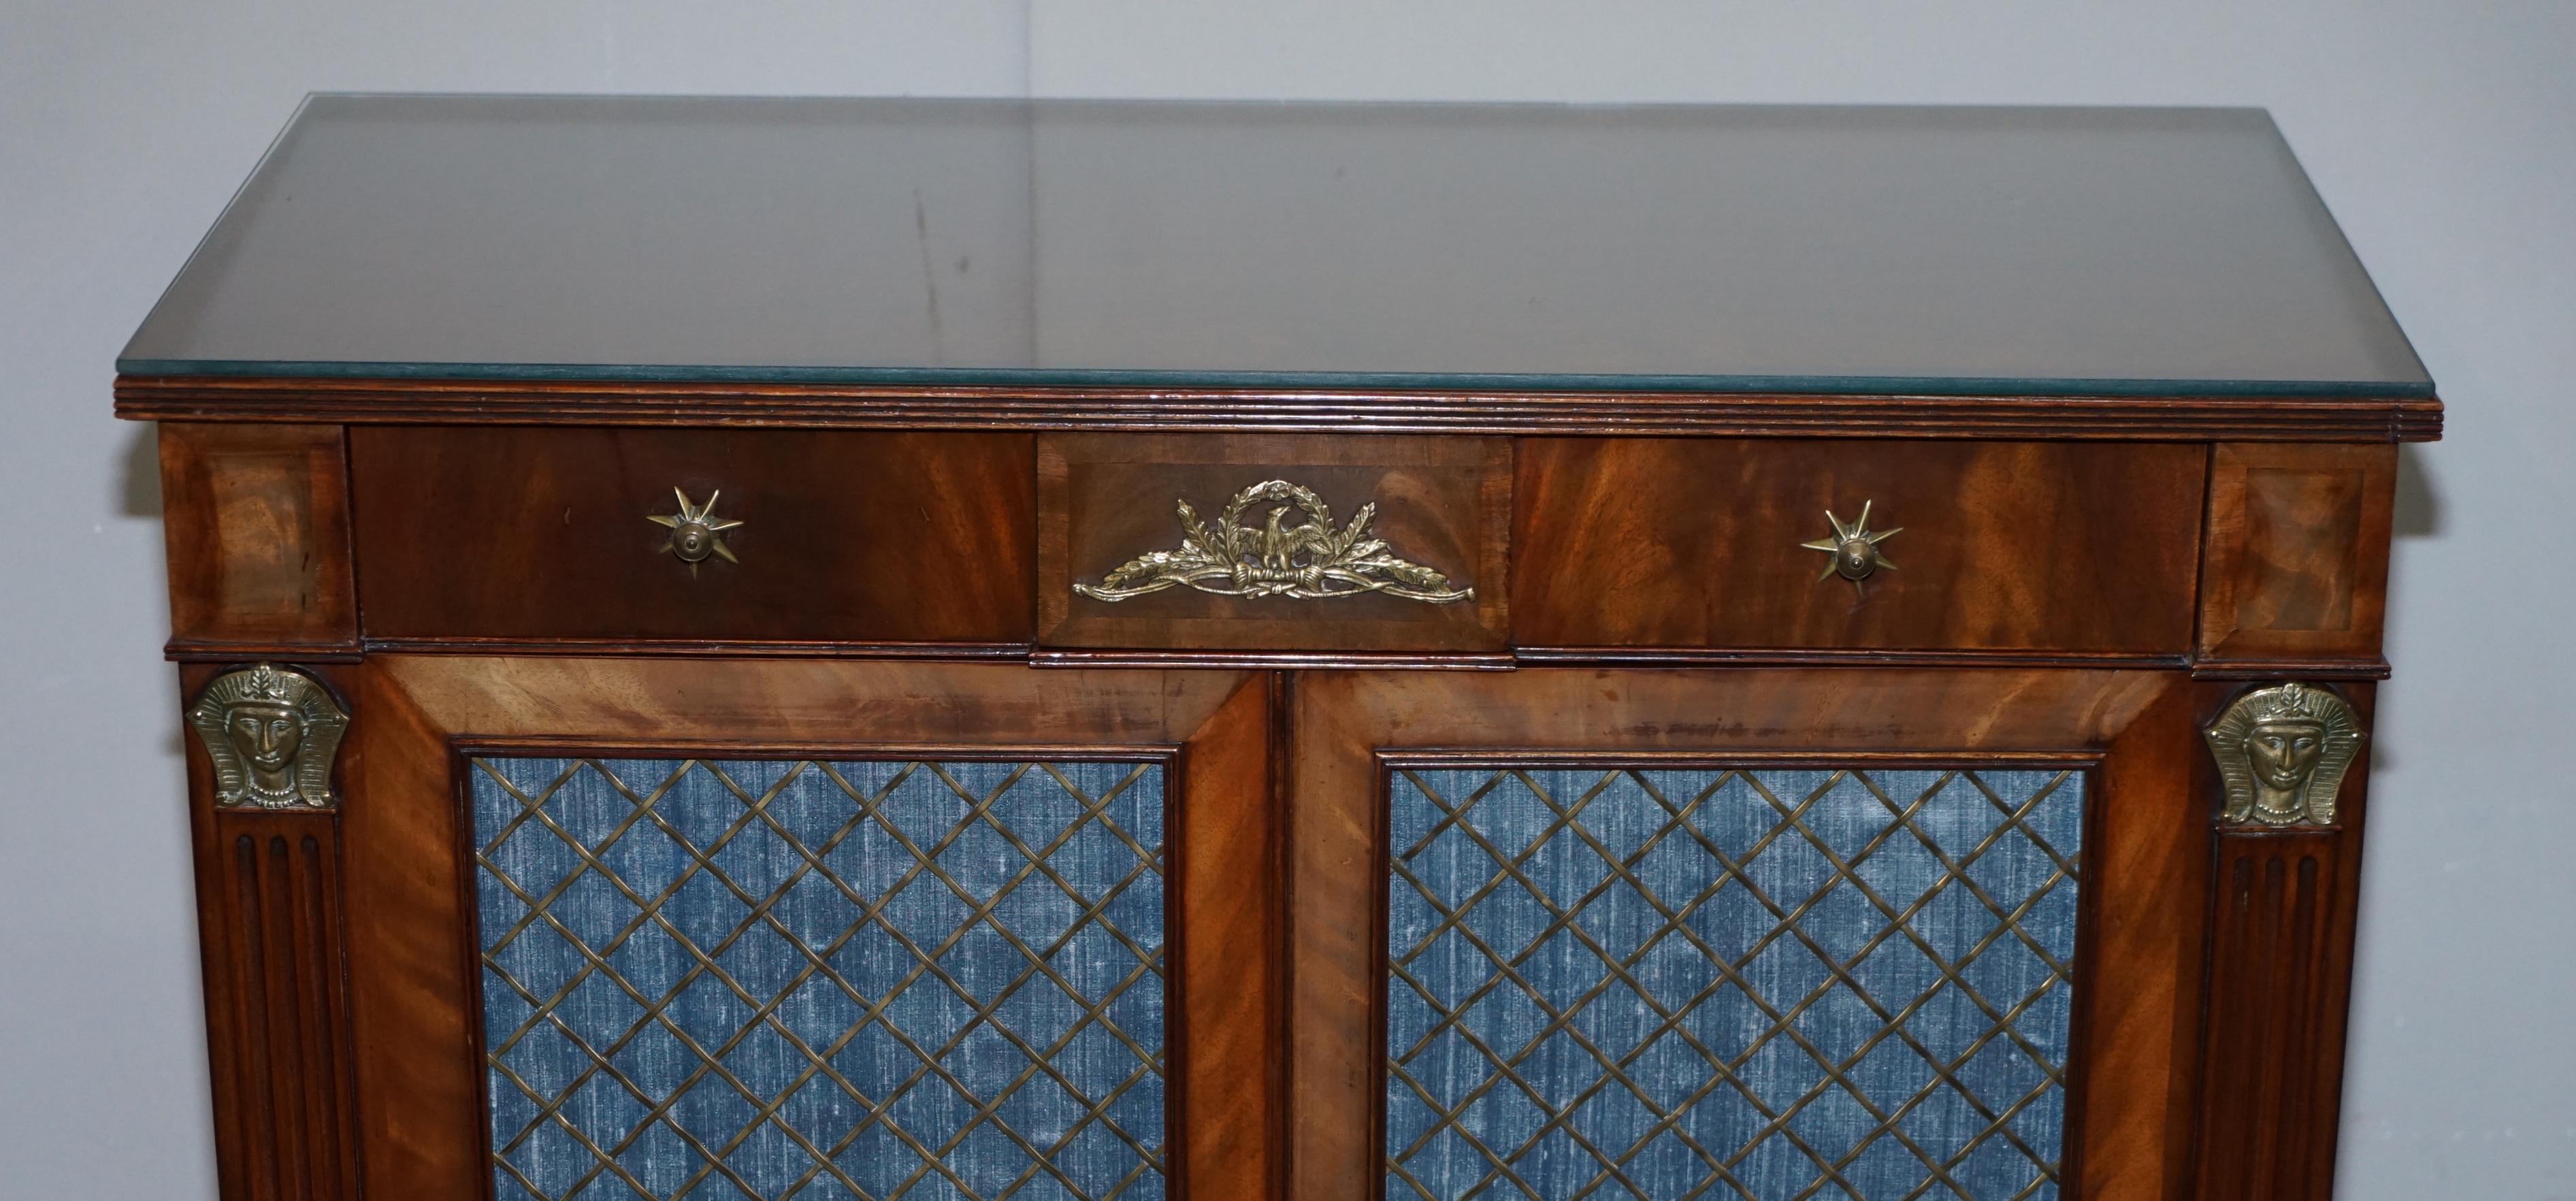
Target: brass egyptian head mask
(2283,752)
(272,734)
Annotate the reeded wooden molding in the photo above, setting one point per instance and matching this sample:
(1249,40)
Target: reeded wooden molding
(542,402)
(2279,977)
(277,971)
(289,993)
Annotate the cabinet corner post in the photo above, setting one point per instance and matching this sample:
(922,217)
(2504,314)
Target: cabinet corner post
(2287,840)
(265,812)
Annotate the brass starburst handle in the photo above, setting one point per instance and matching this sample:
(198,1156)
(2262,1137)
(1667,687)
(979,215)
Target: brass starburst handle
(1854,548)
(696,531)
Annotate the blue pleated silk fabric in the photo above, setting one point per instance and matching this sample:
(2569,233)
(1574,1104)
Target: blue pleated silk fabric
(1766,984)
(776,979)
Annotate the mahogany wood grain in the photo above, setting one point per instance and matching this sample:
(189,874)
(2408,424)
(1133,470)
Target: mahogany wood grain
(848,537)
(1106,499)
(2138,1016)
(272,942)
(1231,1026)
(413,975)
(2006,545)
(2283,905)
(2137,1028)
(419,1088)
(256,521)
(2297,553)
(1636,414)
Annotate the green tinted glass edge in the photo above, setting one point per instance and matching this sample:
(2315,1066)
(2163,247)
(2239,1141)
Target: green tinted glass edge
(1277,381)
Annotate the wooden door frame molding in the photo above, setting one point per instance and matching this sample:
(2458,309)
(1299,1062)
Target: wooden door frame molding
(2148,857)
(418,1071)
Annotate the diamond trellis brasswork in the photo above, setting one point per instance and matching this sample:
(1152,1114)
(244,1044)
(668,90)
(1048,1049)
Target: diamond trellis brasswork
(1768,984)
(812,979)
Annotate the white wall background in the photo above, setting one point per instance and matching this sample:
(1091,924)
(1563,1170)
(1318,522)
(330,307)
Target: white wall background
(2443,134)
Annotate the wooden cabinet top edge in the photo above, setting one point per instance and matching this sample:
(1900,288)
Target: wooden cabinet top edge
(2315,418)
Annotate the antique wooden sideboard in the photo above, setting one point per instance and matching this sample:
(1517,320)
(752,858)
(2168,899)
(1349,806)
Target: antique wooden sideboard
(855,648)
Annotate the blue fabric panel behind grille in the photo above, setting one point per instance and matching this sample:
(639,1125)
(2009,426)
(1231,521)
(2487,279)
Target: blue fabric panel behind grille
(1771,984)
(773,979)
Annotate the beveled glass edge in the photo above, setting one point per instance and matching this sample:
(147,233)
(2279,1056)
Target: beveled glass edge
(2324,217)
(1282,381)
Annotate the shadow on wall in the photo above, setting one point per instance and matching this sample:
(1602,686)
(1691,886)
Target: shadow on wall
(2417,513)
(138,479)
(2419,506)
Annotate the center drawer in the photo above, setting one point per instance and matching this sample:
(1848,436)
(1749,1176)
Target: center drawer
(1254,543)
(846,537)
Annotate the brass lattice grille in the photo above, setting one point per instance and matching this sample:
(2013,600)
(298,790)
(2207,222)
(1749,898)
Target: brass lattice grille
(822,980)
(1769,984)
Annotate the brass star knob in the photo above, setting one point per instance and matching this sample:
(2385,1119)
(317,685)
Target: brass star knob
(1854,548)
(696,531)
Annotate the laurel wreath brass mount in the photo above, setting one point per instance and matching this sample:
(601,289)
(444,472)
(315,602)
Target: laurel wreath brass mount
(1308,560)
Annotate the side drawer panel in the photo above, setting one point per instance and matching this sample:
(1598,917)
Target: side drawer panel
(856,537)
(2006,546)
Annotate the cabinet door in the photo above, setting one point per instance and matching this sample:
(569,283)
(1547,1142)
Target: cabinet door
(718,928)
(1752,934)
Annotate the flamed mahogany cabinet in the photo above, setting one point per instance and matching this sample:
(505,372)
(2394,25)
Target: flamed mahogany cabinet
(977,649)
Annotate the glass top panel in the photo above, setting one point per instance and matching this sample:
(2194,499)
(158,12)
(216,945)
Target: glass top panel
(1947,250)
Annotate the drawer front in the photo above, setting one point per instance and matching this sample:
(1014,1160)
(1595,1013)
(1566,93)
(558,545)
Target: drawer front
(1273,543)
(523,533)
(2004,546)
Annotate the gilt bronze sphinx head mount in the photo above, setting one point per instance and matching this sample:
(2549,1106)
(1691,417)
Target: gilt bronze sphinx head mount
(2283,752)
(272,733)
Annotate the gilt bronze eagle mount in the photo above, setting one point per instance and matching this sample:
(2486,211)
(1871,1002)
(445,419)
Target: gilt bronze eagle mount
(1308,560)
